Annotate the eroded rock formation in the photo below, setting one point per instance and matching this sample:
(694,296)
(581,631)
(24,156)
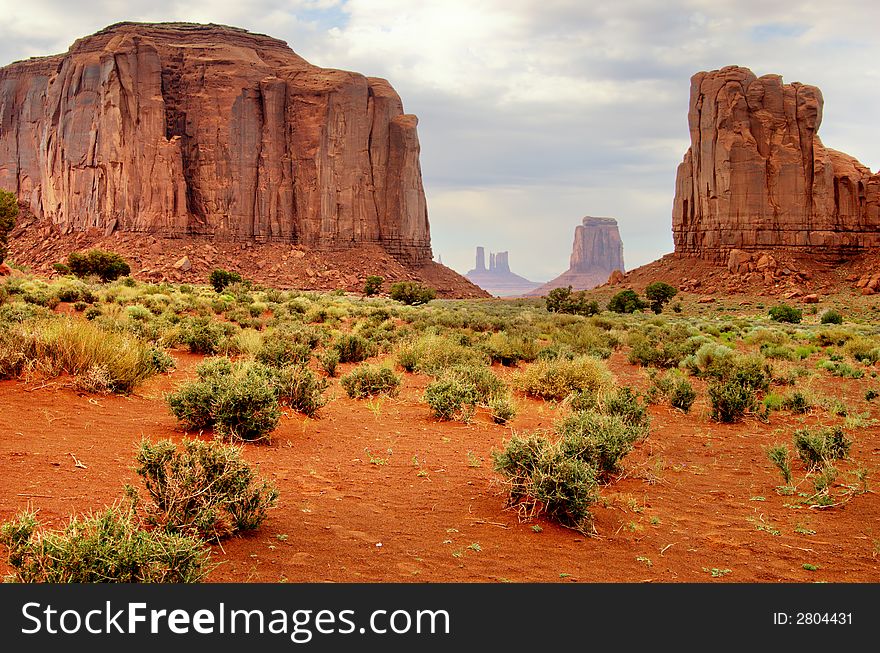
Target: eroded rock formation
(497,279)
(179,129)
(597,251)
(757,176)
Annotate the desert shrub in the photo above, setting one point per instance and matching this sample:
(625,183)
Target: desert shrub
(660,349)
(832,336)
(556,350)
(863,350)
(203,335)
(79,307)
(841,369)
(451,398)
(411,293)
(563,300)
(871,394)
(107,266)
(626,301)
(92,312)
(220,279)
(238,400)
(599,440)
(74,347)
(300,388)
(431,354)
(501,407)
(559,378)
(373,284)
(831,316)
(329,360)
(797,402)
(8,214)
(370,380)
(110,546)
(205,490)
(818,447)
(581,400)
(674,387)
(730,400)
(659,294)
(786,313)
(508,350)
(542,481)
(278,351)
(781,457)
(353,348)
(626,404)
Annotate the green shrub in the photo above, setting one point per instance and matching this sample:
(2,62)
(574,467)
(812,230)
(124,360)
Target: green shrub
(329,360)
(542,480)
(624,403)
(599,440)
(92,312)
(816,448)
(871,394)
(451,398)
(838,368)
(300,388)
(104,547)
(502,408)
(411,293)
(205,490)
(786,313)
(626,301)
(370,380)
(279,351)
(8,214)
(203,335)
(238,400)
(431,354)
(559,378)
(508,350)
(563,300)
(659,294)
(107,266)
(797,402)
(863,350)
(353,348)
(730,400)
(373,284)
(781,457)
(682,395)
(220,279)
(831,316)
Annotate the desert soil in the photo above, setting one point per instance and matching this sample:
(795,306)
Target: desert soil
(380,491)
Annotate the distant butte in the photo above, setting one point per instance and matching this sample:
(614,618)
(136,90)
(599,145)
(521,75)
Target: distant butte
(597,251)
(497,279)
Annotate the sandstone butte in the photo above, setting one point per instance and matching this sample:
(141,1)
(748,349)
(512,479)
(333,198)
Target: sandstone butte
(498,279)
(757,178)
(178,129)
(597,251)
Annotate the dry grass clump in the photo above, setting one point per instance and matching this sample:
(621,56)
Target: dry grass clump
(556,379)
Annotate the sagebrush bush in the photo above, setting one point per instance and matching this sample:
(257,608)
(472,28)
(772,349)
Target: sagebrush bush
(730,400)
(300,388)
(370,380)
(432,354)
(110,546)
(238,400)
(818,447)
(203,335)
(502,408)
(831,316)
(559,378)
(278,351)
(781,457)
(864,350)
(74,347)
(508,349)
(541,480)
(206,489)
(353,348)
(600,440)
(451,398)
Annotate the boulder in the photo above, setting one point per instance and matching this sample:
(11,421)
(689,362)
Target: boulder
(184,264)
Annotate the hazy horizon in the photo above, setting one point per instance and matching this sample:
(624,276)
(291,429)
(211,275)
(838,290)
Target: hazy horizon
(535,114)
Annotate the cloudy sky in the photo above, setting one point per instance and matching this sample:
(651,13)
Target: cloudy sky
(534,113)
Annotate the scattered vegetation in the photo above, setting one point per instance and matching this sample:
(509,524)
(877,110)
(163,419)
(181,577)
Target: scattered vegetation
(107,266)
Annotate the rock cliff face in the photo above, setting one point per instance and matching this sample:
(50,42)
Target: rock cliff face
(178,129)
(757,177)
(497,279)
(596,253)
